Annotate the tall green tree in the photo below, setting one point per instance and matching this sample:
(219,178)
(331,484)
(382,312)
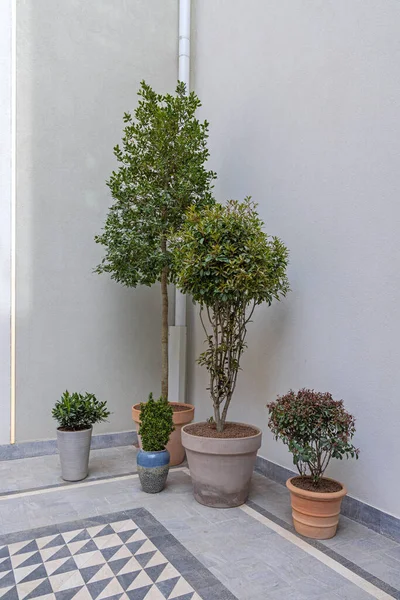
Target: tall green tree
(162,174)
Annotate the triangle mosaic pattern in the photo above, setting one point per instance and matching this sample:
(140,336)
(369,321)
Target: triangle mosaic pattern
(115,561)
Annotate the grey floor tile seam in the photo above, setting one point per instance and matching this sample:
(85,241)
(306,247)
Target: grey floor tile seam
(205,583)
(376,581)
(67,484)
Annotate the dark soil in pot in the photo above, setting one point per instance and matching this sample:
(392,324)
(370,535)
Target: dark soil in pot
(231,430)
(327,486)
(73,428)
(178,408)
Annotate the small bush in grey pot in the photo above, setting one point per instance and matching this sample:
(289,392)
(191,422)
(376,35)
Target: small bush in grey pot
(76,414)
(153,459)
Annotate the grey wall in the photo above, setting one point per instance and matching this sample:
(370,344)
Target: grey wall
(6,167)
(79,68)
(303,101)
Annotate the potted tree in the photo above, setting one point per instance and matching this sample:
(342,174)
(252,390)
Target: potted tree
(161,174)
(76,414)
(316,428)
(223,258)
(153,459)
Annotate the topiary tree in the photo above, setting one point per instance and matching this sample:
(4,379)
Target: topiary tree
(161,174)
(223,258)
(155,424)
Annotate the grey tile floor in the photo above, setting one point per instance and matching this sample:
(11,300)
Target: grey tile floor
(250,559)
(44,471)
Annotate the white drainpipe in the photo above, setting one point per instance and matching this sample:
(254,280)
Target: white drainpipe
(184,75)
(177,332)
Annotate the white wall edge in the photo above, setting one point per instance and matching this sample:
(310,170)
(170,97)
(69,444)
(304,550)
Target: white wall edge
(7,192)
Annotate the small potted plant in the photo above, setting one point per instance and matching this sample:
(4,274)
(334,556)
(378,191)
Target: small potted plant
(156,425)
(316,428)
(224,259)
(76,414)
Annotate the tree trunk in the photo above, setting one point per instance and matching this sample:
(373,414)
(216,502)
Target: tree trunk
(164,329)
(217,418)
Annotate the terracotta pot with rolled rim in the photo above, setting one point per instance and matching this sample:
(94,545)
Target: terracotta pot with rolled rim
(180,418)
(315,514)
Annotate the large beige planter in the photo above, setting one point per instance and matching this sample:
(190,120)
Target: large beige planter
(221,468)
(181,418)
(315,514)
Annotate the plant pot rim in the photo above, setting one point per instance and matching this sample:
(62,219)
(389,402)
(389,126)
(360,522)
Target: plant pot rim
(153,451)
(224,439)
(63,430)
(189,407)
(323,496)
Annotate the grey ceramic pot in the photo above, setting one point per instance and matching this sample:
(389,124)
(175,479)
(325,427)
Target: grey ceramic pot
(221,468)
(74,449)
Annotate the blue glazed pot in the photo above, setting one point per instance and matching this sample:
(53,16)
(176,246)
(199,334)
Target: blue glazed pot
(153,470)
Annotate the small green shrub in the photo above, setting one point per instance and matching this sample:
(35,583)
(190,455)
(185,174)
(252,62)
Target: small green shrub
(315,427)
(75,412)
(155,423)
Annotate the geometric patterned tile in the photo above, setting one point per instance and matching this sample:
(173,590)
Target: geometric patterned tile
(166,587)
(18,560)
(181,589)
(9,593)
(52,566)
(33,559)
(117,565)
(143,559)
(140,594)
(7,579)
(41,590)
(107,530)
(68,564)
(90,546)
(111,559)
(113,553)
(39,572)
(5,565)
(89,559)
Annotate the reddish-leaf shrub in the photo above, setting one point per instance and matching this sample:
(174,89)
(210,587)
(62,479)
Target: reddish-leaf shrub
(315,427)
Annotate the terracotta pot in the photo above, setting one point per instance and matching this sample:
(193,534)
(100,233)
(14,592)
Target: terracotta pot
(180,418)
(315,514)
(221,468)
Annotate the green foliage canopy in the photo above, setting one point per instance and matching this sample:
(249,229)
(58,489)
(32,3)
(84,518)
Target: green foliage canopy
(315,427)
(223,256)
(161,174)
(224,259)
(76,411)
(156,424)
